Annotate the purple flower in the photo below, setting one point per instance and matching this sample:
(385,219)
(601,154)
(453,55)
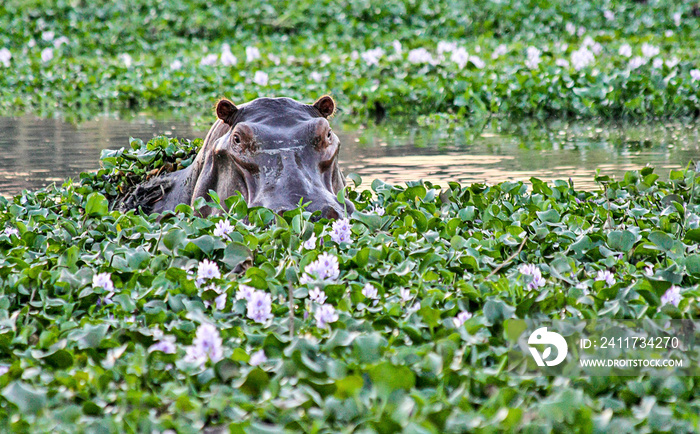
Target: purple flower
(104,281)
(324,315)
(370,291)
(405,294)
(126,59)
(649,270)
(537,282)
(219,302)
(310,244)
(4,370)
(625,50)
(324,268)
(252,54)
(461,318)
(223,228)
(636,62)
(341,231)
(371,57)
(606,276)
(672,296)
(649,50)
(257,358)
(60,41)
(227,58)
(528,269)
(209,59)
(165,345)
(244,292)
(46,55)
(420,55)
(260,306)
(533,271)
(260,78)
(5,56)
(533,57)
(317,295)
(11,231)
(695,74)
(460,56)
(206,345)
(207,270)
(106,300)
(378,210)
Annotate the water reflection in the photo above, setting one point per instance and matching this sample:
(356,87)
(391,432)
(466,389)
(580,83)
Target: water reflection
(517,151)
(35,152)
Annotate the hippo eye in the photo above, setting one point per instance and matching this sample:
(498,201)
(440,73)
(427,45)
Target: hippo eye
(237,139)
(329,135)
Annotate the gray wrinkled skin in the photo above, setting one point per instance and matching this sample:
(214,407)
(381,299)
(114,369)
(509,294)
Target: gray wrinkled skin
(275,151)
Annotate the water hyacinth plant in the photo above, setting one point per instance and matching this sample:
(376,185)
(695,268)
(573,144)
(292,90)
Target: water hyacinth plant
(397,318)
(505,58)
(259,306)
(416,305)
(207,345)
(325,268)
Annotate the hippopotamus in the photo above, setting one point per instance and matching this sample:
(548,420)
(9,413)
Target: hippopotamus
(275,151)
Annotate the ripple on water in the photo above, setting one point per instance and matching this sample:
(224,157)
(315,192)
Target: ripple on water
(35,152)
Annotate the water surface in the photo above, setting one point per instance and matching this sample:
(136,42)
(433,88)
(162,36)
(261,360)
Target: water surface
(36,152)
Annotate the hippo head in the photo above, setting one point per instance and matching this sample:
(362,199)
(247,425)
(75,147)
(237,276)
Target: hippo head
(276,152)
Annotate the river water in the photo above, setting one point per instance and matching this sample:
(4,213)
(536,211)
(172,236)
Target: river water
(36,152)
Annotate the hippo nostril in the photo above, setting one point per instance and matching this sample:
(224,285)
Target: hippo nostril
(281,211)
(329,212)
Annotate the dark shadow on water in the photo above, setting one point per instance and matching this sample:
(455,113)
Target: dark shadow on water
(35,152)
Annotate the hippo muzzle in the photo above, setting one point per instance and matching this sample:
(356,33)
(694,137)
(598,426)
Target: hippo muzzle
(278,153)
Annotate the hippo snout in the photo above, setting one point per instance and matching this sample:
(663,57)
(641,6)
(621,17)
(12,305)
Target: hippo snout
(337,211)
(330,212)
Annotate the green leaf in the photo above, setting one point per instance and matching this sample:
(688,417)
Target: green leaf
(235,254)
(497,311)
(255,382)
(549,216)
(621,241)
(367,347)
(661,239)
(174,239)
(348,386)
(96,205)
(60,359)
(514,328)
(692,264)
(90,336)
(387,378)
(430,316)
(372,221)
(28,399)
(207,244)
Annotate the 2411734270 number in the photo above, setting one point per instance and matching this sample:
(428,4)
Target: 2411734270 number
(658,342)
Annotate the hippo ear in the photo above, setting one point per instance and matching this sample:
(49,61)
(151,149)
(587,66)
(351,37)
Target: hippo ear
(226,110)
(325,105)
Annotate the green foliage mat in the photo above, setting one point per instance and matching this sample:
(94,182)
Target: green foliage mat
(77,354)
(81,58)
